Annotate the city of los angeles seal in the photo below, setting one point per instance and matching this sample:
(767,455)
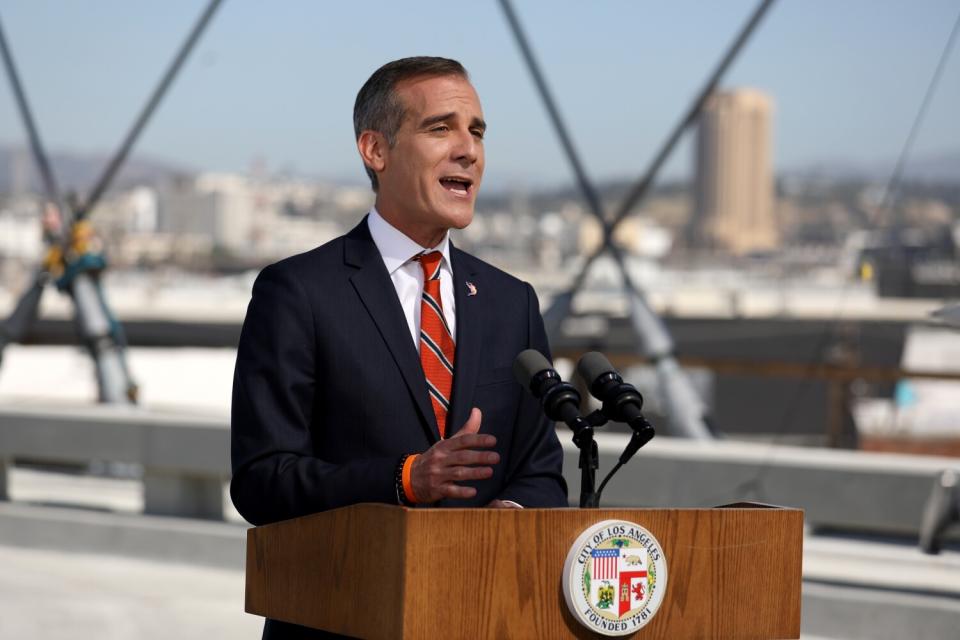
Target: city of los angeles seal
(615,577)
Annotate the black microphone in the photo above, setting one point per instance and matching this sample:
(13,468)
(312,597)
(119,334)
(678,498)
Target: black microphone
(621,400)
(560,400)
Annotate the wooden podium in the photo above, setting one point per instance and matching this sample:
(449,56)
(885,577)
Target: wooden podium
(379,571)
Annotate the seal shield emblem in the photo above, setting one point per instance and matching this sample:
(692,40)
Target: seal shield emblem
(615,577)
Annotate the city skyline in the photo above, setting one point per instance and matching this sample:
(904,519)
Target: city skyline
(279,84)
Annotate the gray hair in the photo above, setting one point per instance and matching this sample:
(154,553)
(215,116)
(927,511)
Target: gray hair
(379,108)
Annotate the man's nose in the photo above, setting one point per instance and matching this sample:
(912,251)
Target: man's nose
(467,148)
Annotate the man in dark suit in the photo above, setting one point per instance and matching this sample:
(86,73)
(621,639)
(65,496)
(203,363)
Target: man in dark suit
(377,368)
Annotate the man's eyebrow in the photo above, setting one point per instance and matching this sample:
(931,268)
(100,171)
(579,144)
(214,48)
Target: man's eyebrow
(443,117)
(432,120)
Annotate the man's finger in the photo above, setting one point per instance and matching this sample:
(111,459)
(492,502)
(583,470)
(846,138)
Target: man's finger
(503,504)
(472,425)
(468,441)
(464,474)
(451,490)
(467,457)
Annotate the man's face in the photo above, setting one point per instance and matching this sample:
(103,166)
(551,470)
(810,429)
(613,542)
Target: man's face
(431,175)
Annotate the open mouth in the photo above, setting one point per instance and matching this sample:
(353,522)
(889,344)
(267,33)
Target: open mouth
(457,185)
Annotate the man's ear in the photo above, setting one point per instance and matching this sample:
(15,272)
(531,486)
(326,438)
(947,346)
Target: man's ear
(372,147)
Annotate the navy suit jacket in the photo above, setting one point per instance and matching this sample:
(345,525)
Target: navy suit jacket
(329,392)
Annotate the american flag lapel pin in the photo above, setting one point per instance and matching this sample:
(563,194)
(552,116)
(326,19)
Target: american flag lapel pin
(471,289)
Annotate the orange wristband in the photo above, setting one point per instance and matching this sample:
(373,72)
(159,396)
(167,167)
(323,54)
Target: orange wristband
(405,475)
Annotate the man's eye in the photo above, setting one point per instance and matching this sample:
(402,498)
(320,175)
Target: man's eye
(478,134)
(440,128)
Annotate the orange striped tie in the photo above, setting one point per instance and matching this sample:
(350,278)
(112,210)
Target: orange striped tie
(436,342)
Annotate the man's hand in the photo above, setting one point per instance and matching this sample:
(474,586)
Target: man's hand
(435,473)
(503,504)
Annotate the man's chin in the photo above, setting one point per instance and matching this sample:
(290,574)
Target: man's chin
(456,215)
(462,220)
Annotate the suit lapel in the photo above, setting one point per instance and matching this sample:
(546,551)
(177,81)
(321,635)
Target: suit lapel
(372,283)
(470,318)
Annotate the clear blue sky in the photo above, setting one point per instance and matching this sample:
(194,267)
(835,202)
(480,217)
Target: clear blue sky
(278,79)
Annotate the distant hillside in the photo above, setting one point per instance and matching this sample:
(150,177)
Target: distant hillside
(941,167)
(79,171)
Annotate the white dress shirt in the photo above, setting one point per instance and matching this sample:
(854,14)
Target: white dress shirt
(398,253)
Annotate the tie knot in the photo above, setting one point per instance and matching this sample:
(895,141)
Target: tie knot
(431,264)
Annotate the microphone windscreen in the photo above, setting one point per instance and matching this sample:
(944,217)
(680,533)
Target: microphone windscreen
(593,365)
(528,364)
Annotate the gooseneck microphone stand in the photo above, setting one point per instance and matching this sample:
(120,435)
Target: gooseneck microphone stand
(560,401)
(621,403)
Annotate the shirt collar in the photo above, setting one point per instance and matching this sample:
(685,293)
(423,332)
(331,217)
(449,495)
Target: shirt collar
(396,248)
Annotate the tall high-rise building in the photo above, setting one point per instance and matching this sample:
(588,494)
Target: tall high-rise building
(734,175)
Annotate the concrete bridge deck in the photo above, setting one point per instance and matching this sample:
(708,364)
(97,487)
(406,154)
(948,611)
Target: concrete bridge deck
(62,595)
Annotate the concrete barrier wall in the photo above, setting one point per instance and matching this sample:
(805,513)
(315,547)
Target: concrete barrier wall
(186,459)
(877,492)
(81,433)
